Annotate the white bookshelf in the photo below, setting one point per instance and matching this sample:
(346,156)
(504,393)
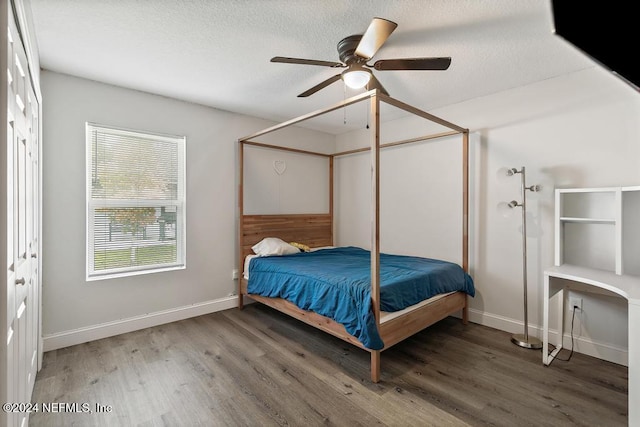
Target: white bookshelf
(598,228)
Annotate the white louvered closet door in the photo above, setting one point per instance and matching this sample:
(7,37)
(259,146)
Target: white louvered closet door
(22,293)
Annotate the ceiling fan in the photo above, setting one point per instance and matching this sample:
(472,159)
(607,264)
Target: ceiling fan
(354,52)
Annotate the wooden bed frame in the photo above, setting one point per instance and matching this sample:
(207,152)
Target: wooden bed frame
(316,230)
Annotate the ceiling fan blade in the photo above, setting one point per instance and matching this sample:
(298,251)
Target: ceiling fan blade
(413,64)
(375,84)
(320,86)
(375,36)
(307,62)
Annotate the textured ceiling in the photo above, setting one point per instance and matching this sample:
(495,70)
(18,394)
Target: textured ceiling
(217,52)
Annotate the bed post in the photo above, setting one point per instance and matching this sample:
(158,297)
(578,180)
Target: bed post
(240,223)
(375,366)
(465,216)
(375,227)
(331,197)
(375,206)
(465,201)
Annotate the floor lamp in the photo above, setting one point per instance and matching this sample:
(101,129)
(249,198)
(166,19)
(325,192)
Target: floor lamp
(523,340)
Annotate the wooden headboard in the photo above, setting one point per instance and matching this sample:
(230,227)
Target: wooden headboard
(313,230)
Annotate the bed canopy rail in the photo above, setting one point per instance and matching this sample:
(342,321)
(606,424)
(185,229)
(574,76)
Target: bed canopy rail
(347,152)
(375,95)
(396,143)
(402,327)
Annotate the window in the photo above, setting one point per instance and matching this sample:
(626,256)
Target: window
(135,202)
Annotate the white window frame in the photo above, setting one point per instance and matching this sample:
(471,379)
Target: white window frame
(91,204)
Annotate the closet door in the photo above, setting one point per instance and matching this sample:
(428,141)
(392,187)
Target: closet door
(23,307)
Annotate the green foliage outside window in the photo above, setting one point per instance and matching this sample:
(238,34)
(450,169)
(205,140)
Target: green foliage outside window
(132,220)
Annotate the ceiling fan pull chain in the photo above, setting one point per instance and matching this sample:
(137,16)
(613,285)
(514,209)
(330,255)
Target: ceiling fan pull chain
(344,97)
(366,111)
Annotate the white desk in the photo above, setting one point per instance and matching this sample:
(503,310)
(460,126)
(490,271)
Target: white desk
(625,286)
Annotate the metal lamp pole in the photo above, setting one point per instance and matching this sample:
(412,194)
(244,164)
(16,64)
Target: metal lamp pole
(524,340)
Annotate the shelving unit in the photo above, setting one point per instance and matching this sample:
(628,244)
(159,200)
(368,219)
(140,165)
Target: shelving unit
(597,245)
(598,228)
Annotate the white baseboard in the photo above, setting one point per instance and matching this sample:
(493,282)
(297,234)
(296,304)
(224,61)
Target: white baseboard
(581,344)
(122,326)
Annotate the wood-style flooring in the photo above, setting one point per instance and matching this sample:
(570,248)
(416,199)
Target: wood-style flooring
(258,367)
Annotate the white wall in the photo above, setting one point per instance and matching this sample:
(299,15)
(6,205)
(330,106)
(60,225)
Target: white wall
(277,181)
(76,310)
(579,130)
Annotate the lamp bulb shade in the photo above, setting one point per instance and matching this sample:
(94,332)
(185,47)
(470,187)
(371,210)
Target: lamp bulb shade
(506,209)
(356,79)
(503,174)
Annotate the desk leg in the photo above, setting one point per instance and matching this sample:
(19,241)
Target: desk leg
(546,357)
(545,320)
(634,360)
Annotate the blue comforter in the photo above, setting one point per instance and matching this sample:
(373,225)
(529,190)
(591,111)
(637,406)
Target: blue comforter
(336,283)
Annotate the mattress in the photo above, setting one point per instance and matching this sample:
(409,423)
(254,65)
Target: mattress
(385,316)
(336,283)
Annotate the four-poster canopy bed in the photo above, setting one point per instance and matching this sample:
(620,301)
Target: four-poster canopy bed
(316,230)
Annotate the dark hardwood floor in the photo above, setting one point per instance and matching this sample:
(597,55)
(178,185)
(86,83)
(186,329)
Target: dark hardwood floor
(258,367)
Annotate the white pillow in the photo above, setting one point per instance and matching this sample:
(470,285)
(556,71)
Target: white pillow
(273,246)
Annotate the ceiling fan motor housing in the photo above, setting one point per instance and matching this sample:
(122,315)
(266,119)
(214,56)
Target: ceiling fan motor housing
(346,50)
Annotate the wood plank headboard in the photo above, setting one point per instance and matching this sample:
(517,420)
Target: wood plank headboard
(313,230)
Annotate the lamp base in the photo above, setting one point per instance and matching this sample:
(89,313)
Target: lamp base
(526,342)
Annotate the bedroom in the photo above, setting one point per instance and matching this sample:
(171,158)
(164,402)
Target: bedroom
(557,134)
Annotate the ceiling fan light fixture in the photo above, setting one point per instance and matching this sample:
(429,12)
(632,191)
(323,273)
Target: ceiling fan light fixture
(356,79)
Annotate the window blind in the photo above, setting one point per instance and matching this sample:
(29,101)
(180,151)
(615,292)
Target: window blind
(136,202)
